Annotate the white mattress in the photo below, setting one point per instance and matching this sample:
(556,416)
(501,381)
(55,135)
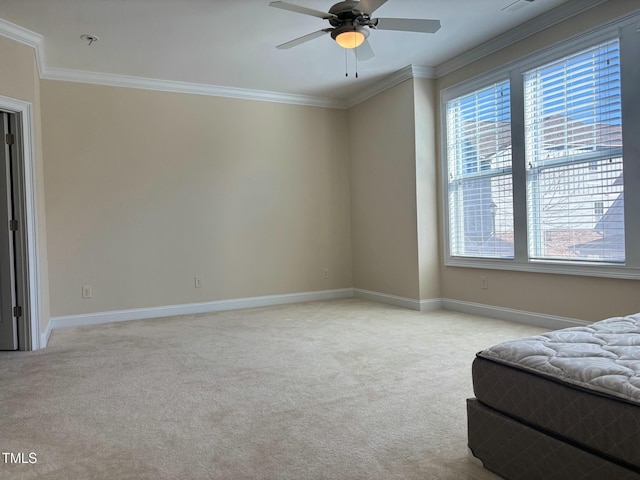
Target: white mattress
(602,357)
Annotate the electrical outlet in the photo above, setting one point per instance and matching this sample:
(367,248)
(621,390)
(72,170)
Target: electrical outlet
(197,282)
(325,273)
(484,282)
(87,291)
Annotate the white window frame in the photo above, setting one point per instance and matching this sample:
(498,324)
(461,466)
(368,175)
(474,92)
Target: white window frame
(488,174)
(627,30)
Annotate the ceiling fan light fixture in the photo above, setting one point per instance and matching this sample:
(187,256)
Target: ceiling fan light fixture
(350,36)
(352,39)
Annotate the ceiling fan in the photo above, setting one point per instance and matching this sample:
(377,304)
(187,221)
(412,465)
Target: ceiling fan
(349,20)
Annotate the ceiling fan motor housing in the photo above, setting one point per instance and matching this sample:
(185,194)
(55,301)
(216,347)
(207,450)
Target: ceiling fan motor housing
(347,13)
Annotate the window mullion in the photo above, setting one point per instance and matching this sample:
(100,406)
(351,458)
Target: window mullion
(518,167)
(630,76)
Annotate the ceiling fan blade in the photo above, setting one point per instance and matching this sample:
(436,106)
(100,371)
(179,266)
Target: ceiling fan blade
(365,52)
(517,5)
(304,10)
(370,6)
(303,39)
(408,25)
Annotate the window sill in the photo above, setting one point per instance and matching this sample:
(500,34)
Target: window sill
(583,269)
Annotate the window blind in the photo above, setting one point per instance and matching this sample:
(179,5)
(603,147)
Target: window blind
(479,166)
(573,154)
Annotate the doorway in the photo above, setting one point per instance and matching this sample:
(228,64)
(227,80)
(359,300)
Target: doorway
(15,324)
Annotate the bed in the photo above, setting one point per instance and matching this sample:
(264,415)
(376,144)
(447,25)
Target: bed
(561,405)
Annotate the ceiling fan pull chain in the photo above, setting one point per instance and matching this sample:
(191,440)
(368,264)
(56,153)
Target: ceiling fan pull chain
(355,51)
(346,65)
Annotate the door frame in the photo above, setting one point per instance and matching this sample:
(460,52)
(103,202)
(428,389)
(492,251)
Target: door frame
(26,152)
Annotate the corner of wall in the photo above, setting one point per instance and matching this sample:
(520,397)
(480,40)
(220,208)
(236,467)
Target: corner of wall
(383,195)
(425,103)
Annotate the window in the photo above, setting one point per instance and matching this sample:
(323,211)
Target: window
(598,209)
(535,163)
(479,154)
(573,129)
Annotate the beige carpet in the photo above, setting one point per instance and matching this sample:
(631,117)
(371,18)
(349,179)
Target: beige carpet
(343,389)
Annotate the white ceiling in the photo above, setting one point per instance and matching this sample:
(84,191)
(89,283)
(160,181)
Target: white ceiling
(231,43)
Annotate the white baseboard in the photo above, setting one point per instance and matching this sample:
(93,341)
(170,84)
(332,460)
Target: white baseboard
(431,305)
(193,308)
(404,302)
(501,313)
(519,316)
(44,337)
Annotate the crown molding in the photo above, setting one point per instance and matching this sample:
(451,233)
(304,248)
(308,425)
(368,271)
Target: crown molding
(410,71)
(26,37)
(20,34)
(68,75)
(36,41)
(536,25)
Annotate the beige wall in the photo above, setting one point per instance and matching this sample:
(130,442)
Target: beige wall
(393,192)
(146,190)
(383,195)
(570,296)
(20,80)
(583,298)
(427,188)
